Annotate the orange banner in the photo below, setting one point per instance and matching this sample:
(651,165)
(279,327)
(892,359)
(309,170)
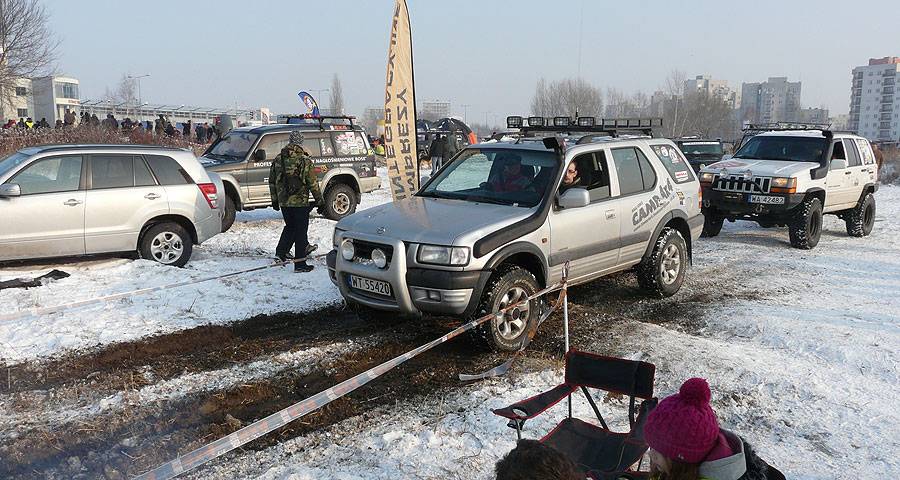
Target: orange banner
(400,108)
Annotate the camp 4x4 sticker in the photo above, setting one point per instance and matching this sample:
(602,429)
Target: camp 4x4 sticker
(644,211)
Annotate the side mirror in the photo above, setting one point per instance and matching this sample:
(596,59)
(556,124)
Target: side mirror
(575,198)
(259,155)
(10,190)
(839,164)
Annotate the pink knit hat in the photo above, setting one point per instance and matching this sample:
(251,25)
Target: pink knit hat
(683,426)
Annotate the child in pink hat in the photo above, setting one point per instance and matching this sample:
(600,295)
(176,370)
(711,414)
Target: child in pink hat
(686,442)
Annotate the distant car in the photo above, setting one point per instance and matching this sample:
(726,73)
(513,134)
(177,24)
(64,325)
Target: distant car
(68,200)
(700,153)
(343,160)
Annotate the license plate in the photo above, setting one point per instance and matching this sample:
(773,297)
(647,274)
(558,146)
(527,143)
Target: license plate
(369,285)
(767,200)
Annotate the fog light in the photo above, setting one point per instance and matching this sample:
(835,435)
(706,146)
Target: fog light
(434,295)
(379,258)
(347,250)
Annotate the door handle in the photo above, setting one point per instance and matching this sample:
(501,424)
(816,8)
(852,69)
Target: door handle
(71,202)
(847,173)
(151,196)
(610,214)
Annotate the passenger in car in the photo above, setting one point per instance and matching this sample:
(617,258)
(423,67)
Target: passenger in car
(513,178)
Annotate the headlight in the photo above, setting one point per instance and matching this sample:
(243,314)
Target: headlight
(348,251)
(438,255)
(781,182)
(335,237)
(707,177)
(379,258)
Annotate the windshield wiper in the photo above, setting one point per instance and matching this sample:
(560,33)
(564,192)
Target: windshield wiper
(477,198)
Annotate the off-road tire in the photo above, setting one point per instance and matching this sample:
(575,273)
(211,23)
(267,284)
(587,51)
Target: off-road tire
(230,213)
(712,224)
(340,201)
(654,273)
(152,244)
(502,282)
(861,218)
(805,228)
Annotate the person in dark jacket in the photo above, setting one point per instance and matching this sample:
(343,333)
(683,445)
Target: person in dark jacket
(186,130)
(291,180)
(59,124)
(170,130)
(686,442)
(201,133)
(43,123)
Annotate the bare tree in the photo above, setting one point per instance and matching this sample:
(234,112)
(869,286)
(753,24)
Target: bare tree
(27,46)
(337,96)
(568,96)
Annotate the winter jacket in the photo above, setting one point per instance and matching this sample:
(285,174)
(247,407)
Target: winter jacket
(744,464)
(292,179)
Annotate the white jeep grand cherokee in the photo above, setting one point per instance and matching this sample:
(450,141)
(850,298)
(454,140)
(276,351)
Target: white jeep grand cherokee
(791,178)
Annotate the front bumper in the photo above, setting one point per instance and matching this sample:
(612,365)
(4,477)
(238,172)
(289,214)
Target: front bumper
(737,205)
(414,290)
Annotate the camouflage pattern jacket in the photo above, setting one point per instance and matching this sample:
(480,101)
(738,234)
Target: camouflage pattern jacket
(292,179)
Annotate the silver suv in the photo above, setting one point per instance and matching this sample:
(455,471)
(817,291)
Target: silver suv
(65,200)
(495,225)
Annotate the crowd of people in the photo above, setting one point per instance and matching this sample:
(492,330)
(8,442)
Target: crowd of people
(195,132)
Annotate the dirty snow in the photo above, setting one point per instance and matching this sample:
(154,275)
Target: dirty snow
(249,243)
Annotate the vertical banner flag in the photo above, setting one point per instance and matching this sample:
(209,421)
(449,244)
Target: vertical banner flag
(400,108)
(312,108)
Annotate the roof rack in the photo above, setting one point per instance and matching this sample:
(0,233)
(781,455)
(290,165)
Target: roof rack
(782,126)
(310,119)
(609,126)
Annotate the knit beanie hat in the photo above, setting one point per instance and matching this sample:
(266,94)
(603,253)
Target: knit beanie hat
(296,138)
(683,426)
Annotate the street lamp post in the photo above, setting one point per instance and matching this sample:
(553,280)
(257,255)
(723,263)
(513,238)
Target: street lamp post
(138,78)
(465,112)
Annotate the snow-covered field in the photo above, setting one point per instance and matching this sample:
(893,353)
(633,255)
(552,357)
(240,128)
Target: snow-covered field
(249,243)
(802,357)
(804,369)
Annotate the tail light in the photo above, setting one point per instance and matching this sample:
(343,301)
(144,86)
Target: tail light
(210,194)
(700,196)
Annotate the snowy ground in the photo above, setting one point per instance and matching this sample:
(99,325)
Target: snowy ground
(803,369)
(249,243)
(802,352)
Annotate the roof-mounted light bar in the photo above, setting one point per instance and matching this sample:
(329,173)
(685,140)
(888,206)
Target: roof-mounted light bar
(514,121)
(587,121)
(536,122)
(562,121)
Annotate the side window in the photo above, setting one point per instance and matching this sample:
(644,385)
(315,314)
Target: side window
(349,144)
(142,175)
(868,158)
(852,153)
(647,173)
(273,143)
(674,162)
(168,171)
(313,144)
(50,175)
(837,152)
(593,174)
(112,171)
(628,170)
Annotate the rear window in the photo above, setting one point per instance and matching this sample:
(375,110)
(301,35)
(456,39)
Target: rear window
(168,171)
(675,164)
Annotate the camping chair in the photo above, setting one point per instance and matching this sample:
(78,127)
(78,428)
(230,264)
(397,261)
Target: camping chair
(598,452)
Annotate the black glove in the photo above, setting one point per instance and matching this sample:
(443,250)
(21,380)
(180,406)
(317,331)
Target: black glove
(275,206)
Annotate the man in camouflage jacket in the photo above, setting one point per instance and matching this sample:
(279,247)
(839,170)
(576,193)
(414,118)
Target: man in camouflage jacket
(291,180)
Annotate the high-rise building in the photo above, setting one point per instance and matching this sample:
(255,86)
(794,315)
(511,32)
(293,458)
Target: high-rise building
(775,100)
(875,100)
(704,84)
(814,115)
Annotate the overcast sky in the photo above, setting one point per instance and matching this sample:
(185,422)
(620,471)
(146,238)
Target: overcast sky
(487,54)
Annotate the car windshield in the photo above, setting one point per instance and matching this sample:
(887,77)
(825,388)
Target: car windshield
(790,149)
(501,176)
(11,162)
(702,148)
(233,145)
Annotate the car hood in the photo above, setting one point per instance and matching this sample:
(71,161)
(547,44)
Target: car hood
(434,220)
(761,168)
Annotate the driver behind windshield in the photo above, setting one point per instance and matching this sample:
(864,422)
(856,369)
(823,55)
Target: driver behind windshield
(512,178)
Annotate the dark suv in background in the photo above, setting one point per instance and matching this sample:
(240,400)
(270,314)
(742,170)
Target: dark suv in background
(344,163)
(700,153)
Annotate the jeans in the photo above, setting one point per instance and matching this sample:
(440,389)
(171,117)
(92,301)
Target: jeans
(296,224)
